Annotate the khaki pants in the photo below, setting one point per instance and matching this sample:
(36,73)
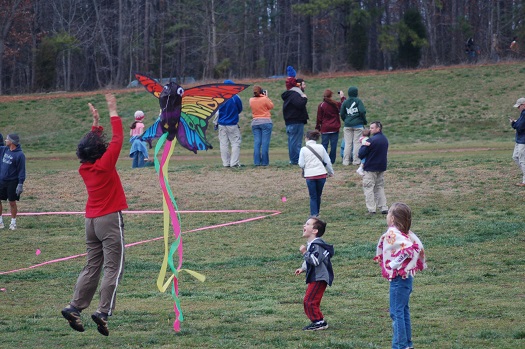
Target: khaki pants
(105,250)
(374,189)
(352,145)
(519,158)
(230,135)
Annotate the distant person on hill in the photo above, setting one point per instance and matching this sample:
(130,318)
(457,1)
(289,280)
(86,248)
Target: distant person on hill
(262,125)
(471,50)
(519,148)
(329,122)
(514,47)
(138,151)
(353,114)
(229,131)
(104,224)
(12,176)
(317,264)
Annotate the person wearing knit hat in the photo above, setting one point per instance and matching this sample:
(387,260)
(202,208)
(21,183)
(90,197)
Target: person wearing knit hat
(12,176)
(295,114)
(138,151)
(290,80)
(229,131)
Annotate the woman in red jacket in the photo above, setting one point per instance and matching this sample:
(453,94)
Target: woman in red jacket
(103,221)
(328,121)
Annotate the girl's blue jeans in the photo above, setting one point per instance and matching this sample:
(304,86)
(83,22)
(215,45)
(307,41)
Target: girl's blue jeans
(315,189)
(400,290)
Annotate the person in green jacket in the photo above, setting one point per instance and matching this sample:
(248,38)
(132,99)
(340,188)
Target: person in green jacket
(353,114)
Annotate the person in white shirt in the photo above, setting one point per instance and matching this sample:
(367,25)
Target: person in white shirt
(316,165)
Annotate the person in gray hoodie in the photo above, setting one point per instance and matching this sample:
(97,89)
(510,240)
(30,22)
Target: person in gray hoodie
(317,263)
(353,114)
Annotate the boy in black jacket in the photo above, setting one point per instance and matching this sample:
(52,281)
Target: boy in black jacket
(319,272)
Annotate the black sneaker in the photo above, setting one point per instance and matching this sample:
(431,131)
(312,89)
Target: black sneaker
(72,315)
(101,319)
(316,326)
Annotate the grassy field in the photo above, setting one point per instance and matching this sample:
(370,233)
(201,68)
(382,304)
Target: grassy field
(450,160)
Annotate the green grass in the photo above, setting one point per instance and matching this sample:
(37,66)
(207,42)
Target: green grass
(450,160)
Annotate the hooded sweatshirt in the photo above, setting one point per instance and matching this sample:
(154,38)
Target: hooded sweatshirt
(317,262)
(353,112)
(13,165)
(230,110)
(294,106)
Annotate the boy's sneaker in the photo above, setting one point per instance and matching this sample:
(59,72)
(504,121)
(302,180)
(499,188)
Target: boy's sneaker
(316,326)
(12,226)
(2,226)
(360,171)
(101,319)
(72,315)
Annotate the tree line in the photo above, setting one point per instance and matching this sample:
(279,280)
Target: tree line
(66,45)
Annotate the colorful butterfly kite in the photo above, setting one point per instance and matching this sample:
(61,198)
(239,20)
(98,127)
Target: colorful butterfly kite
(184,116)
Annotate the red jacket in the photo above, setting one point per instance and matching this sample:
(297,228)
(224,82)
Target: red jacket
(328,119)
(105,192)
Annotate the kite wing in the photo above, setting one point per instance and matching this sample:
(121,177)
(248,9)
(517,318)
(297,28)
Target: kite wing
(150,84)
(198,105)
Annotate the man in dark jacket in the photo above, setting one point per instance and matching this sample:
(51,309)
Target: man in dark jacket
(295,117)
(12,175)
(519,149)
(375,156)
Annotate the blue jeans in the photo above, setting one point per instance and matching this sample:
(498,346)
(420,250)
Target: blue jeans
(138,160)
(331,138)
(400,290)
(315,189)
(295,134)
(261,144)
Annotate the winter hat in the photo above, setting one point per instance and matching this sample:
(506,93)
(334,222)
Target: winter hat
(139,115)
(13,138)
(290,80)
(229,82)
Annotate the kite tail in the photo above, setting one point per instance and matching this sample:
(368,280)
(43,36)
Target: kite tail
(170,210)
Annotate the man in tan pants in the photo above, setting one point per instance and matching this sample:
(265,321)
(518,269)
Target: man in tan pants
(375,156)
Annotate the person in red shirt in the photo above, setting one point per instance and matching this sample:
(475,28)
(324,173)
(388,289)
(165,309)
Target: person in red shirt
(103,221)
(328,121)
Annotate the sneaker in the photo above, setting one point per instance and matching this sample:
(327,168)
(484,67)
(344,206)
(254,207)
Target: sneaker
(2,226)
(316,326)
(101,320)
(72,315)
(360,171)
(12,226)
